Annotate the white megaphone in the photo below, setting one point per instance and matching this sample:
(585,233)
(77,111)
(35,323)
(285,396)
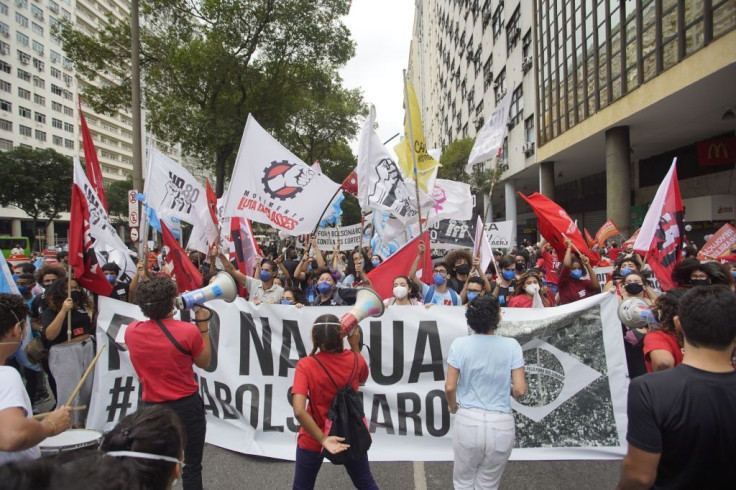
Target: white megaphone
(223,287)
(367,303)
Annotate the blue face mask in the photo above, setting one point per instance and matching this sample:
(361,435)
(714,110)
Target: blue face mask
(626,271)
(286,302)
(376,263)
(23,289)
(439,279)
(15,277)
(508,275)
(471,296)
(576,274)
(265,276)
(111,279)
(324,287)
(733,273)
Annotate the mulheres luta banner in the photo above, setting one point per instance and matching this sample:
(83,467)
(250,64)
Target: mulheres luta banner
(575,407)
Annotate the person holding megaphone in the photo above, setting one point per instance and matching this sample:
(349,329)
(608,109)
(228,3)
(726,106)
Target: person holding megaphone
(162,351)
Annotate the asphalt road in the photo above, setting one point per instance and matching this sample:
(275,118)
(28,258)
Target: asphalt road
(224,470)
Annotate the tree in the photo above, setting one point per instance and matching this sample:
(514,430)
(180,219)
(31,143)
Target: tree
(38,182)
(117,200)
(455,158)
(207,65)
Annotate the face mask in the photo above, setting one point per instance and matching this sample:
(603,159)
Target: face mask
(532,288)
(508,275)
(286,302)
(36,290)
(79,297)
(401,292)
(15,277)
(733,274)
(23,289)
(520,267)
(324,287)
(265,276)
(700,282)
(472,295)
(634,288)
(111,279)
(544,282)
(462,269)
(626,271)
(576,274)
(439,279)
(376,263)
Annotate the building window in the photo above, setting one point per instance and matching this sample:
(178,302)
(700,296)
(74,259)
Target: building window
(516,111)
(3,9)
(5,86)
(68,127)
(5,144)
(55,57)
(40,117)
(513,29)
(4,29)
(25,112)
(38,99)
(21,38)
(68,144)
(6,125)
(23,57)
(488,72)
(38,64)
(6,105)
(529,135)
(39,82)
(498,21)
(40,135)
(24,75)
(56,106)
(4,48)
(526,44)
(55,72)
(56,90)
(38,47)
(56,123)
(5,67)
(37,29)
(25,130)
(21,19)
(57,140)
(24,94)
(499,86)
(68,111)
(37,12)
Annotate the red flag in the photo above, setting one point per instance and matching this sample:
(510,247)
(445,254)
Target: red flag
(246,248)
(350,184)
(663,229)
(720,244)
(606,231)
(399,264)
(82,256)
(630,242)
(91,164)
(554,222)
(187,277)
(588,238)
(211,202)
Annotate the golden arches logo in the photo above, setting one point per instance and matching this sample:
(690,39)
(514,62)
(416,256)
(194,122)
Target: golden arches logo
(717,148)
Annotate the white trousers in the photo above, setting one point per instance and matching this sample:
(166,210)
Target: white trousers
(482,443)
(68,362)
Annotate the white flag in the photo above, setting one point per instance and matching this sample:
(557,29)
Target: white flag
(380,183)
(173,192)
(490,137)
(109,247)
(271,185)
(452,200)
(482,248)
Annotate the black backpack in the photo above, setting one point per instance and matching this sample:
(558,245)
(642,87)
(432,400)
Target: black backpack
(347,419)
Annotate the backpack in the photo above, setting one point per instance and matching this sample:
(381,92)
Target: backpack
(347,419)
(453,295)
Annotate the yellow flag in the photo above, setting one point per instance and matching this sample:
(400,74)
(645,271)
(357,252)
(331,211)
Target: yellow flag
(426,165)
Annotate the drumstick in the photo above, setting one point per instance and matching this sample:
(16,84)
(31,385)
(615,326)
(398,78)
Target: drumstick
(86,375)
(74,409)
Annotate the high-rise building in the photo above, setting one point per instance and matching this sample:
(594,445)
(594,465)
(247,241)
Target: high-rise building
(609,91)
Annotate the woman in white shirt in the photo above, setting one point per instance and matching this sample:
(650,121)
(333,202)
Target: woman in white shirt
(483,372)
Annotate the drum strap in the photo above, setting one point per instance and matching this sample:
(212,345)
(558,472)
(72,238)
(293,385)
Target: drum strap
(172,339)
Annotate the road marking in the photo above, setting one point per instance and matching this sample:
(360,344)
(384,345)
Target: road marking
(420,478)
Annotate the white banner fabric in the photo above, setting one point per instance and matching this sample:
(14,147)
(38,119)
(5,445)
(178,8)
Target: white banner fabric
(349,237)
(490,137)
(574,356)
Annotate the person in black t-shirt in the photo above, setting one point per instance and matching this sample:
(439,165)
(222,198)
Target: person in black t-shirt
(681,421)
(119,289)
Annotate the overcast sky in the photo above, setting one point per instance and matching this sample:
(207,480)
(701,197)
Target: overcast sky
(382,31)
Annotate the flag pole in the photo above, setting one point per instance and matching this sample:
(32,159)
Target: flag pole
(325,210)
(144,216)
(69,295)
(413,153)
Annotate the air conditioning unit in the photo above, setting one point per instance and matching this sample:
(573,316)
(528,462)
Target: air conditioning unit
(54,9)
(510,124)
(24,61)
(528,148)
(6,33)
(526,64)
(503,165)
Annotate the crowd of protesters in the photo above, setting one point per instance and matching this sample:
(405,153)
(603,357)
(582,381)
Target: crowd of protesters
(55,351)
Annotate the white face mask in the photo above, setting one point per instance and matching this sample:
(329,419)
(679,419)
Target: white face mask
(401,292)
(532,288)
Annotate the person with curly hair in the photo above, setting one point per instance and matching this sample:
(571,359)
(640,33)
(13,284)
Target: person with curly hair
(150,443)
(20,434)
(162,351)
(691,272)
(483,369)
(70,343)
(663,347)
(459,264)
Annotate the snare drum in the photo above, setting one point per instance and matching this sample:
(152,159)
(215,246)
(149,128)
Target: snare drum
(70,440)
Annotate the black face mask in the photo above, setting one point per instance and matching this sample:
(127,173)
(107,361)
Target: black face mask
(700,282)
(520,267)
(462,269)
(634,288)
(79,297)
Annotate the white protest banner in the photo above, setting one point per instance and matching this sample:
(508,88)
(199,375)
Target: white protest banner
(500,234)
(575,407)
(271,185)
(349,237)
(451,234)
(453,200)
(490,137)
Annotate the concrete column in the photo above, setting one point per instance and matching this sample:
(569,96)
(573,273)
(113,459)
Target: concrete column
(547,179)
(50,230)
(509,187)
(15,227)
(618,178)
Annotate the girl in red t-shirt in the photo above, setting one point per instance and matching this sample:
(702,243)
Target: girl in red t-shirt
(530,285)
(311,381)
(663,344)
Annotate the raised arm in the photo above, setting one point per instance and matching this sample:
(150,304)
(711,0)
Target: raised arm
(415,266)
(318,254)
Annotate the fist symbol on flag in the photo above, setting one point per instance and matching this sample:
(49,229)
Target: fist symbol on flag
(284,180)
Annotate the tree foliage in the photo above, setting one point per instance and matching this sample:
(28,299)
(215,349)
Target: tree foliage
(117,200)
(38,182)
(207,65)
(453,161)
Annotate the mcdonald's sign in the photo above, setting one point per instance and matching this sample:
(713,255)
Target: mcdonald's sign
(721,151)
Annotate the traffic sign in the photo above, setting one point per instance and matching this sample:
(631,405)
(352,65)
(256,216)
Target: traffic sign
(133,213)
(134,235)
